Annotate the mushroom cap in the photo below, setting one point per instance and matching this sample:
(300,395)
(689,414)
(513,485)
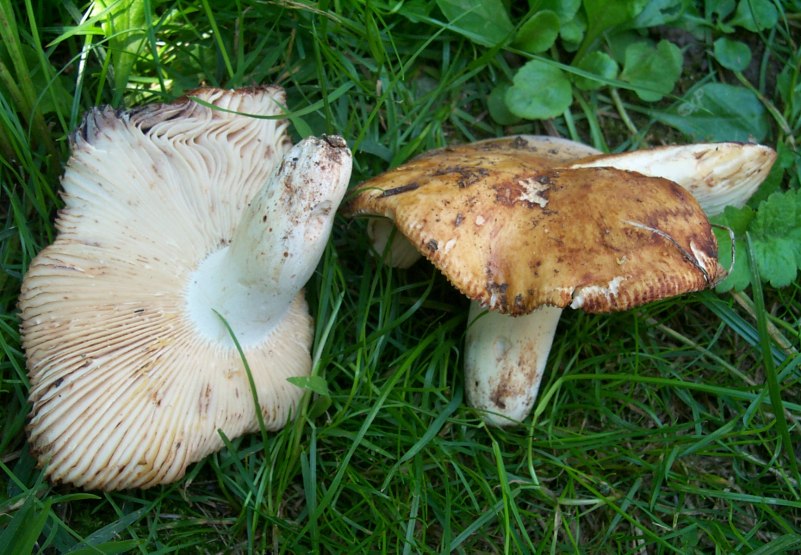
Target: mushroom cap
(717,174)
(514,228)
(124,390)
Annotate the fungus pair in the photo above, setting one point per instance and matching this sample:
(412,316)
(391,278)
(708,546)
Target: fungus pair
(525,226)
(179,220)
(187,226)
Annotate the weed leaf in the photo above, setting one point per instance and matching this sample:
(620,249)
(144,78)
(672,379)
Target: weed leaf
(600,64)
(539,91)
(660,12)
(718,112)
(566,10)
(755,15)
(316,384)
(775,230)
(538,33)
(732,54)
(603,16)
(653,71)
(485,22)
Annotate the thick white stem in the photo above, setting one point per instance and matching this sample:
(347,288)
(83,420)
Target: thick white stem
(505,358)
(400,253)
(277,245)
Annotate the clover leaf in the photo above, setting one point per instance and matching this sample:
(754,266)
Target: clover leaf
(600,64)
(538,32)
(539,91)
(485,22)
(775,229)
(732,54)
(652,71)
(718,112)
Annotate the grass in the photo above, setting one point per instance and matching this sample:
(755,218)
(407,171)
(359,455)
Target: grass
(670,428)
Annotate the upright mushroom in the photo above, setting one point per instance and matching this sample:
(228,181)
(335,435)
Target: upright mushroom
(525,226)
(176,217)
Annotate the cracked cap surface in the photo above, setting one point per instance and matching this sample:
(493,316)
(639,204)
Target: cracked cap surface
(513,230)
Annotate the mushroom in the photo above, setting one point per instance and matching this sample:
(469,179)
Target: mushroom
(180,220)
(527,225)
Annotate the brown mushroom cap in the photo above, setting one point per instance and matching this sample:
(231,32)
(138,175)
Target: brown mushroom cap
(716,174)
(513,230)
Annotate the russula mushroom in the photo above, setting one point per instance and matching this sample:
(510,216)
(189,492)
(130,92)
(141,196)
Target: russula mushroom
(525,226)
(175,216)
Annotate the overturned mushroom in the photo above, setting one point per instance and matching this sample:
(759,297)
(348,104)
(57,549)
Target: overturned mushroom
(176,217)
(525,226)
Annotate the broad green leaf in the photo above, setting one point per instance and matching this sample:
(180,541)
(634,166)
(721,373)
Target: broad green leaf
(566,10)
(315,384)
(538,33)
(600,64)
(773,182)
(779,217)
(755,15)
(776,261)
(485,22)
(775,229)
(652,71)
(732,54)
(718,112)
(719,8)
(603,15)
(572,32)
(736,221)
(417,11)
(539,91)
(496,104)
(617,44)
(660,12)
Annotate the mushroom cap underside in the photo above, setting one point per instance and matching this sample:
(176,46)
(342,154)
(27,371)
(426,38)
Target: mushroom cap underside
(514,231)
(124,392)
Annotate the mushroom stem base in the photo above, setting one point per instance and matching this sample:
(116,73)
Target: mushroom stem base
(217,289)
(505,358)
(400,253)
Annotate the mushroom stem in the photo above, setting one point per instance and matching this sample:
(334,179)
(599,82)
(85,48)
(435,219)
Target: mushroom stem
(400,253)
(505,358)
(277,245)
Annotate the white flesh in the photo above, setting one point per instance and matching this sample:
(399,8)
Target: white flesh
(400,253)
(505,359)
(275,248)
